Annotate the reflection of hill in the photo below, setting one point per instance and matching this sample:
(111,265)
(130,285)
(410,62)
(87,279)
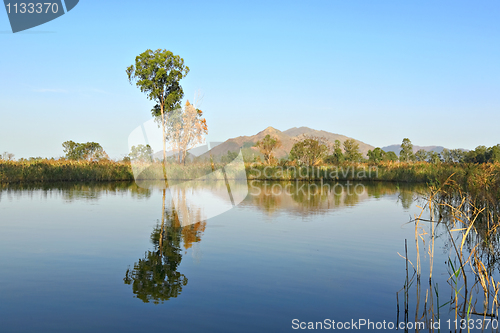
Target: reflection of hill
(304,198)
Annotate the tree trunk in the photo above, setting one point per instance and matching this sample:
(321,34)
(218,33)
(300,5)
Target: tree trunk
(164,143)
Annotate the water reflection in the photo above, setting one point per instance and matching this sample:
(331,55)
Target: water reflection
(155,278)
(305,198)
(344,266)
(74,191)
(198,200)
(467,226)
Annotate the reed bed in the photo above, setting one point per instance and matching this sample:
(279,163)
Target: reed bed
(477,179)
(469,222)
(63,171)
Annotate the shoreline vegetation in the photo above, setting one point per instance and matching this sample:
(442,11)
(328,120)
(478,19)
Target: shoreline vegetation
(484,178)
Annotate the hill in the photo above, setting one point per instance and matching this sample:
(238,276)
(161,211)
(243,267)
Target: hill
(397,148)
(287,138)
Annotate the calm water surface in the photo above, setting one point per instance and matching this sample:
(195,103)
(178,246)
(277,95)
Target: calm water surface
(75,258)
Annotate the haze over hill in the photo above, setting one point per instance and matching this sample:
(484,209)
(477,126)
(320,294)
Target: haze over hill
(397,148)
(288,138)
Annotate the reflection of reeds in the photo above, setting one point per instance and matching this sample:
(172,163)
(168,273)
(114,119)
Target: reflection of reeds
(70,191)
(482,179)
(470,221)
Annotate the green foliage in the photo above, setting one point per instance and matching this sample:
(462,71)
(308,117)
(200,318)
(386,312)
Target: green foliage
(157,73)
(406,153)
(247,144)
(308,152)
(477,179)
(155,277)
(376,156)
(84,151)
(141,153)
(446,156)
(482,154)
(337,156)
(458,155)
(45,170)
(390,156)
(421,155)
(478,155)
(249,154)
(351,151)
(433,157)
(494,154)
(267,147)
(229,157)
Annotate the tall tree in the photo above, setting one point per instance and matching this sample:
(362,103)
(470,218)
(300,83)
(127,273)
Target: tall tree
(84,151)
(421,155)
(447,156)
(351,149)
(143,153)
(406,153)
(376,155)
(458,155)
(187,128)
(308,151)
(494,154)
(478,155)
(390,156)
(267,147)
(433,157)
(337,156)
(158,74)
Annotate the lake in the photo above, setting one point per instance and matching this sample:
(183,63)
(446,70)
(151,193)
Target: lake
(87,258)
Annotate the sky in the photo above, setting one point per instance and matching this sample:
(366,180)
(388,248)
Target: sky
(377,71)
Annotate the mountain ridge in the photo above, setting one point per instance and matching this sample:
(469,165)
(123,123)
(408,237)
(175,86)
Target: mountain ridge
(288,138)
(292,135)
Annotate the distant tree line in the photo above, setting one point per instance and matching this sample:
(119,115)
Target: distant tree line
(481,154)
(312,151)
(308,151)
(90,151)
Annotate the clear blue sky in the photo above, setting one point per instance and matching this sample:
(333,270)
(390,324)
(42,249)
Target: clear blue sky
(378,71)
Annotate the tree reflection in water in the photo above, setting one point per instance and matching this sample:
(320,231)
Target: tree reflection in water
(155,278)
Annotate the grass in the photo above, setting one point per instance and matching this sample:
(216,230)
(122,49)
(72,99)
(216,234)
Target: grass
(469,222)
(476,179)
(63,171)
